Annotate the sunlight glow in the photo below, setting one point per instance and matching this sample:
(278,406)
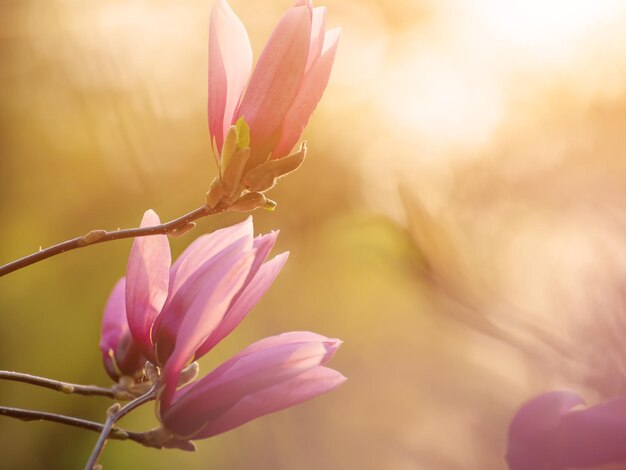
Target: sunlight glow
(546,27)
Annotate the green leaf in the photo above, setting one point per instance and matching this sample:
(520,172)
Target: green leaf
(243,133)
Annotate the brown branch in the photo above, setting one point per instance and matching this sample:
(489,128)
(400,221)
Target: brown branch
(114,414)
(144,438)
(32,415)
(57,385)
(181,224)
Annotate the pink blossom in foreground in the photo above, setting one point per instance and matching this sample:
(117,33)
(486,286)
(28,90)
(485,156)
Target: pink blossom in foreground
(285,86)
(176,313)
(550,432)
(270,375)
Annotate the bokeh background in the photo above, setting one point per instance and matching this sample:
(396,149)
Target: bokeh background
(459,221)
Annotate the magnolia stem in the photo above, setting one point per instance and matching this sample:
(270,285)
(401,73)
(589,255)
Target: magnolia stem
(57,385)
(119,434)
(32,415)
(101,236)
(114,414)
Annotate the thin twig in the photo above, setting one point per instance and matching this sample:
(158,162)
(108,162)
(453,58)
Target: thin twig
(57,385)
(32,415)
(144,438)
(101,236)
(114,415)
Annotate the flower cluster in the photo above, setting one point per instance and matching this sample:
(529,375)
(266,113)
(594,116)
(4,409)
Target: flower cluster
(172,314)
(162,317)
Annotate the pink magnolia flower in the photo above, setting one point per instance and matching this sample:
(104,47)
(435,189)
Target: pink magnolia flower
(549,432)
(285,86)
(177,313)
(268,376)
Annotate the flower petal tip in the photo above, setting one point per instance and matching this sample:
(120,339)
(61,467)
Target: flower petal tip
(150,217)
(331,345)
(542,412)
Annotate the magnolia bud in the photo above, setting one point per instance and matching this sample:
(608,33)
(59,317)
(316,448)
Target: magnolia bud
(113,409)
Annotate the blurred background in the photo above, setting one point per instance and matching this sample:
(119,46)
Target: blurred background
(459,221)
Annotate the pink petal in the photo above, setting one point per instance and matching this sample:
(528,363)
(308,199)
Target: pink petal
(275,80)
(593,436)
(291,392)
(548,433)
(204,303)
(201,283)
(120,354)
(542,414)
(147,280)
(114,328)
(208,247)
(230,63)
(245,301)
(310,92)
(532,433)
(291,338)
(262,365)
(263,244)
(318,26)
(204,248)
(114,323)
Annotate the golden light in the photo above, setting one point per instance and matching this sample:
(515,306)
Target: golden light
(545,29)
